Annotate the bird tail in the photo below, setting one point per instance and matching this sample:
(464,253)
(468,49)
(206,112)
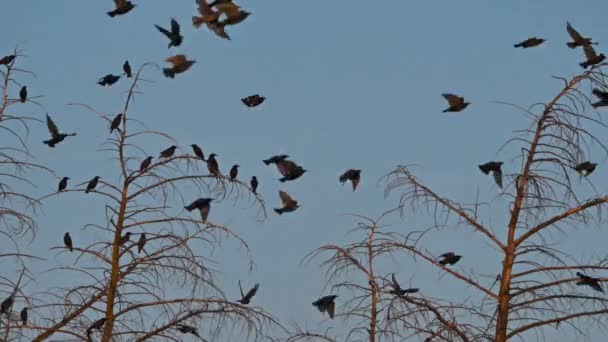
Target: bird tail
(584,65)
(484,169)
(49,142)
(169,72)
(282,180)
(71,249)
(266,161)
(571,45)
(22,100)
(86,191)
(446,110)
(197,21)
(443,262)
(278,211)
(189,207)
(518,45)
(112,14)
(71,134)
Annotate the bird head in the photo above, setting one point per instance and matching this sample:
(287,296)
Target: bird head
(193,145)
(66,178)
(97,177)
(212,155)
(128,234)
(236,165)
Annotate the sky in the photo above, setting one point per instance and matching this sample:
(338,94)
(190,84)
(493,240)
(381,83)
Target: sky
(353,84)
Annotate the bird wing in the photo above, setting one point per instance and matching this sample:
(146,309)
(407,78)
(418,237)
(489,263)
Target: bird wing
(174,26)
(498,177)
(573,33)
(453,100)
(229,9)
(218,29)
(446,255)
(51,126)
(396,285)
(252,291)
(589,51)
(120,3)
(163,30)
(600,94)
(331,309)
(241,289)
(177,59)
(285,167)
(203,7)
(285,198)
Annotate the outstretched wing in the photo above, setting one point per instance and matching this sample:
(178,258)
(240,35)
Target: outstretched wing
(498,177)
(396,285)
(51,126)
(228,8)
(174,26)
(176,60)
(285,198)
(573,33)
(120,3)
(163,30)
(252,292)
(331,309)
(600,94)
(453,100)
(589,51)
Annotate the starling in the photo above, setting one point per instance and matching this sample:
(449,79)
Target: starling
(168,152)
(186,329)
(125,238)
(180,64)
(97,325)
(577,38)
(198,151)
(67,240)
(145,164)
(121,7)
(175,38)
(602,95)
(6,305)
(126,67)
(108,80)
(397,290)
(293,175)
(275,159)
(326,304)
(56,136)
(213,166)
(449,258)
(234,171)
(6,60)
(23,316)
(254,185)
(585,168)
(594,283)
(63,184)
(456,103)
(115,122)
(289,204)
(530,42)
(592,57)
(289,170)
(352,175)
(246,298)
(495,168)
(234,14)
(253,100)
(92,184)
(23,94)
(141,242)
(208,15)
(203,205)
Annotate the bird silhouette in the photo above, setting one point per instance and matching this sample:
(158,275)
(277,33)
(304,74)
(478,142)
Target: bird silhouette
(449,258)
(67,241)
(254,184)
(352,175)
(108,80)
(97,325)
(175,38)
(293,174)
(275,159)
(125,238)
(56,136)
(213,165)
(219,29)
(92,184)
(326,304)
(141,242)
(63,184)
(6,60)
(186,329)
(602,96)
(179,64)
(234,172)
(246,298)
(145,163)
(126,68)
(592,57)
(23,316)
(586,280)
(23,94)
(5,306)
(121,7)
(397,290)
(456,103)
(496,168)
(530,42)
(585,168)
(289,204)
(115,124)
(253,100)
(198,151)
(168,152)
(577,38)
(203,205)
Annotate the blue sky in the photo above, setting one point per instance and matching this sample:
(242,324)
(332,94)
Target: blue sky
(349,84)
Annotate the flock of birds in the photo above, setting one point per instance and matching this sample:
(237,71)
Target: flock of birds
(217,15)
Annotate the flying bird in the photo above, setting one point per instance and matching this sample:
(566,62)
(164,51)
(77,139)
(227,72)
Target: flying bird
(179,65)
(234,15)
(253,100)
(175,38)
(125,238)
(126,67)
(67,241)
(108,80)
(246,298)
(23,94)
(198,151)
(23,316)
(115,124)
(602,96)
(254,184)
(234,171)
(326,304)
(145,164)
(121,7)
(397,290)
(577,38)
(275,159)
(594,283)
(289,170)
(92,184)
(6,305)
(592,57)
(585,168)
(293,174)
(141,242)
(208,15)
(456,103)
(219,29)
(186,329)
(203,205)
(449,258)
(289,204)
(56,136)
(6,60)
(213,165)
(352,175)
(168,152)
(495,168)
(63,184)
(530,42)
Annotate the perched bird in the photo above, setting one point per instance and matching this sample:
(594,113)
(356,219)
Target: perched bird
(168,152)
(495,168)
(352,175)
(121,7)
(530,42)
(213,166)
(97,325)
(208,15)
(186,329)
(456,103)
(108,80)
(253,100)
(92,184)
(594,283)
(577,38)
(126,67)
(602,95)
(23,316)
(180,64)
(254,184)
(63,184)
(592,57)
(56,136)
(115,122)
(449,258)
(289,204)
(326,304)
(67,241)
(125,238)
(145,164)
(397,290)
(275,159)
(6,305)
(6,60)
(234,171)
(141,242)
(585,168)
(198,151)
(246,298)
(203,205)
(23,94)
(175,38)
(293,174)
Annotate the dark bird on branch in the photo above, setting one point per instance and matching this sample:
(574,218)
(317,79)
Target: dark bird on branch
(23,316)
(92,184)
(352,175)
(56,136)
(213,166)
(121,7)
(234,15)
(115,124)
(186,329)
(203,205)
(5,306)
(496,168)
(530,42)
(449,258)
(592,57)
(6,60)
(125,238)
(594,283)
(126,67)
(63,184)
(456,103)
(23,94)
(275,159)
(577,38)
(397,290)
(234,172)
(108,80)
(246,298)
(175,38)
(179,65)
(67,241)
(585,168)
(198,151)
(168,152)
(254,184)
(97,325)
(253,100)
(145,164)
(602,96)
(289,204)
(141,242)
(326,304)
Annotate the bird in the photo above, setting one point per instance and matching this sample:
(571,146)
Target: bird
(456,103)
(585,168)
(126,67)
(592,57)
(125,238)
(234,15)
(602,95)
(254,184)
(175,38)
(397,290)
(219,29)
(213,166)
(594,283)
(168,152)
(23,94)
(97,325)
(141,242)
(67,240)
(56,136)
(108,80)
(92,184)
(289,204)
(530,42)
(293,174)
(352,175)
(198,151)
(246,298)
(145,163)
(234,171)
(577,38)
(449,258)
(6,305)
(253,100)
(208,15)
(23,316)
(115,124)
(275,159)
(326,304)
(186,329)
(121,7)
(6,60)
(495,168)
(203,205)
(289,170)
(63,184)
(180,64)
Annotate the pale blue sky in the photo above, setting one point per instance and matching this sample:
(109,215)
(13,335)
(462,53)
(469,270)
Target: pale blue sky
(349,84)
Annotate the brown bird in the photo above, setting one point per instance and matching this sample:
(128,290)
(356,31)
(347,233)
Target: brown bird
(289,204)
(213,165)
(208,15)
(115,122)
(246,298)
(289,170)
(126,67)
(121,7)
(254,184)
(352,175)
(92,184)
(175,38)
(180,64)
(592,57)
(6,60)
(594,283)
(456,103)
(145,163)
(203,205)
(141,242)
(602,96)
(168,152)
(530,42)
(23,94)
(125,238)
(234,171)
(253,100)
(67,241)
(63,184)
(108,80)
(198,151)
(495,168)
(56,136)
(577,38)
(326,304)
(585,168)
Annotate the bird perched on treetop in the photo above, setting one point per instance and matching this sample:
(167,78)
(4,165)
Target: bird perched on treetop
(234,171)
(495,168)
(208,15)
(203,205)
(577,38)
(213,166)
(289,204)
(92,184)
(253,100)
(6,60)
(289,170)
(326,304)
(592,57)
(63,184)
(168,152)
(108,80)
(180,64)
(602,96)
(530,42)
(23,316)
(175,38)
(352,175)
(125,238)
(397,290)
(56,136)
(121,7)
(23,94)
(141,242)
(449,258)
(254,184)
(594,283)
(126,67)
(97,325)
(67,241)
(145,163)
(198,151)
(456,103)
(585,168)
(246,298)
(115,122)
(275,159)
